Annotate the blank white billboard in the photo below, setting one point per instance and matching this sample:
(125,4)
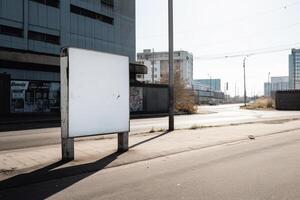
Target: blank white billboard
(98,93)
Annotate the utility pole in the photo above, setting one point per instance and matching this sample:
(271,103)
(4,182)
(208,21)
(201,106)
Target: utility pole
(153,80)
(269,84)
(210,86)
(245,92)
(171,65)
(235,90)
(226,91)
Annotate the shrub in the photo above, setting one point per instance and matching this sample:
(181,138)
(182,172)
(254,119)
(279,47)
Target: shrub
(184,97)
(261,103)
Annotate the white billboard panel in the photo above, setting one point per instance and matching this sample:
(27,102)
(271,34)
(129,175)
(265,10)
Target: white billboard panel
(98,93)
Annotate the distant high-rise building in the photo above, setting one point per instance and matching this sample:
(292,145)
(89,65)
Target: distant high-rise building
(294,69)
(158,66)
(212,84)
(267,89)
(277,83)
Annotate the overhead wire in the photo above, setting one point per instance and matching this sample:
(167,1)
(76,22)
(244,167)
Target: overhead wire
(253,52)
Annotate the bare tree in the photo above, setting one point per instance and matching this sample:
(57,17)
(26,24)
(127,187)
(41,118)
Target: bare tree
(184,97)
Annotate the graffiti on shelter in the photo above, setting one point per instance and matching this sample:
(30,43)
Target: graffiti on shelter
(136,99)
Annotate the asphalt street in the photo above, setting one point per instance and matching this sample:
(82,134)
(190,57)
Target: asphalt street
(215,115)
(265,168)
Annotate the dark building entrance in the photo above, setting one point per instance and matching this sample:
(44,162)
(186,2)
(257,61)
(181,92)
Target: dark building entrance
(4,94)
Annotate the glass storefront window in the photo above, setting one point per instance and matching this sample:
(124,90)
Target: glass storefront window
(34,96)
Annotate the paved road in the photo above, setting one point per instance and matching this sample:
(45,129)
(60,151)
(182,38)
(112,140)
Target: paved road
(215,115)
(266,168)
(219,115)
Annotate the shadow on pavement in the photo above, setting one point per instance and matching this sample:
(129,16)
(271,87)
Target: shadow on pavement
(148,140)
(28,187)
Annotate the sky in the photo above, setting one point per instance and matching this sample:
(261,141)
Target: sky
(213,29)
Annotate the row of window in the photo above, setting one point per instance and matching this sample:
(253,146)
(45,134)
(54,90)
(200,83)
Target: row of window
(43,37)
(17,32)
(52,3)
(155,76)
(11,31)
(55,3)
(91,14)
(150,55)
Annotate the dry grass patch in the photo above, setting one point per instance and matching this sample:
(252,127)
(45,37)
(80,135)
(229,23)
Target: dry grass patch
(264,103)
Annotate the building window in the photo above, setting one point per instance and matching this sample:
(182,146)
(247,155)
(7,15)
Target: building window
(109,3)
(91,14)
(52,3)
(43,37)
(11,31)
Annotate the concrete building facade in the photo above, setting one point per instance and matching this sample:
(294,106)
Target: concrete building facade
(32,32)
(158,66)
(294,69)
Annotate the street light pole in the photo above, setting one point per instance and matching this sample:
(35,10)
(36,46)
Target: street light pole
(235,90)
(171,64)
(245,91)
(269,84)
(210,86)
(153,71)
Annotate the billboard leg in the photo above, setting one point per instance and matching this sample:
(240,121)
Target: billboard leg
(67,149)
(123,142)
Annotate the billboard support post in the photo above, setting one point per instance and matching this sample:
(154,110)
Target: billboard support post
(67,149)
(67,144)
(123,142)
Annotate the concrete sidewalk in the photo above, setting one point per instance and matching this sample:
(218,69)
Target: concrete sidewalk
(94,155)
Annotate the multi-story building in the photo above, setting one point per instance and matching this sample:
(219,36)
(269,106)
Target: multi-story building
(153,72)
(279,83)
(212,84)
(158,66)
(294,69)
(32,33)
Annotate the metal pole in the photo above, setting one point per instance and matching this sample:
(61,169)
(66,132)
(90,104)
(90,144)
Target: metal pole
(235,90)
(153,66)
(123,142)
(171,72)
(209,76)
(210,83)
(245,92)
(294,59)
(269,84)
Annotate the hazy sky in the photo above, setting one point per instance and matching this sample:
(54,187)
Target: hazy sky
(209,28)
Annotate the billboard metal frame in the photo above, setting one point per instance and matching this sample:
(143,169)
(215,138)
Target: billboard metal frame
(67,142)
